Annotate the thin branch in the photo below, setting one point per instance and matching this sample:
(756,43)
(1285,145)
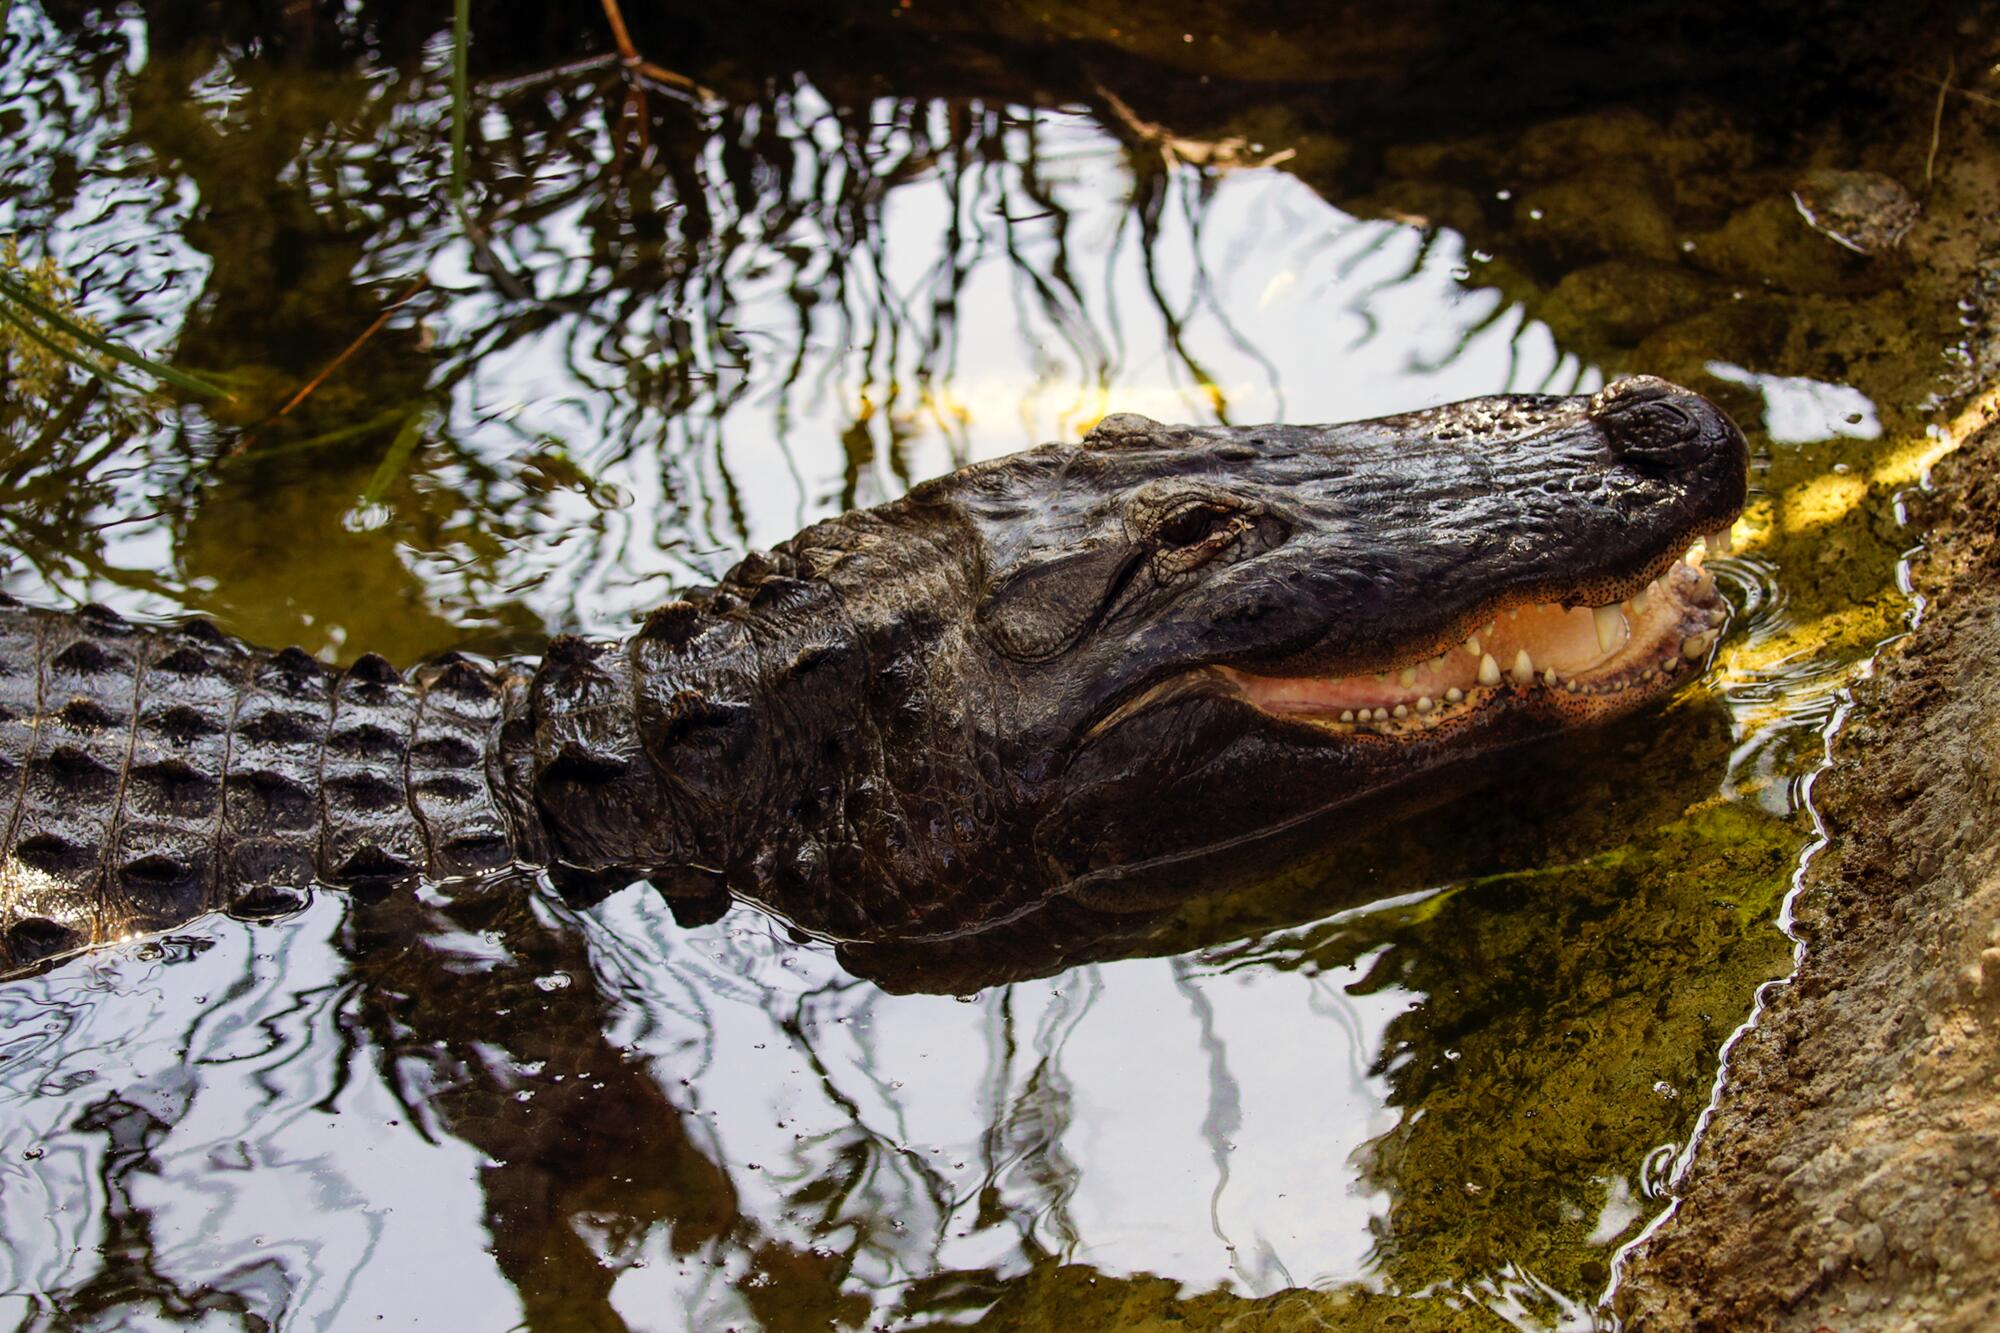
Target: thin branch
(1937,117)
(628,55)
(346,353)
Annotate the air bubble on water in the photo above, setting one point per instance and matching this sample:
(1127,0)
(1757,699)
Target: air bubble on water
(366,517)
(554,981)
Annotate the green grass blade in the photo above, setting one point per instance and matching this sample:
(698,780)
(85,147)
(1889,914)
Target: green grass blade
(397,458)
(461,99)
(68,354)
(20,294)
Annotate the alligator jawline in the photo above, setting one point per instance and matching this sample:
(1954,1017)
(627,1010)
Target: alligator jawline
(1585,661)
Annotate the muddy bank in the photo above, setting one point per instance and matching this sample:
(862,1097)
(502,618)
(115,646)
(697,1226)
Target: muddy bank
(1851,1179)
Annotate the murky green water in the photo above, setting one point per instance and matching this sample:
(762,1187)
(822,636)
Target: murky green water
(1440,1076)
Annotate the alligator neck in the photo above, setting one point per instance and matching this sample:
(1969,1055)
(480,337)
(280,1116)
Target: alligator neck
(790,734)
(685,752)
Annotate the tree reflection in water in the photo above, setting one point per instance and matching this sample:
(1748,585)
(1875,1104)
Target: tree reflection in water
(624,365)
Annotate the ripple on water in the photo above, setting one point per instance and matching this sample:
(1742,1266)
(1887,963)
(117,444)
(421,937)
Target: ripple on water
(1427,1065)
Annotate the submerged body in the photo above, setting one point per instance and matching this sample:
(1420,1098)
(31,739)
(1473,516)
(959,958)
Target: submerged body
(1080,673)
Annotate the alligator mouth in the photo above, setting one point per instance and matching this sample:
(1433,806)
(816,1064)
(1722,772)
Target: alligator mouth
(1581,662)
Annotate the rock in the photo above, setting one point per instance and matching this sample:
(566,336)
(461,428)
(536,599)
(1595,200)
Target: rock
(1865,211)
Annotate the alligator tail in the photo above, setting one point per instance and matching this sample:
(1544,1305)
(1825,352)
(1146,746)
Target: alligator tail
(149,775)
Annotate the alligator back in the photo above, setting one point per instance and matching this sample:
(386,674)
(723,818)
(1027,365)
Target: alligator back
(151,774)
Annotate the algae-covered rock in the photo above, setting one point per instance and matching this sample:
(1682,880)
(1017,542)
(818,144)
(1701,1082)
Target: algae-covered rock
(1768,244)
(1613,211)
(1619,302)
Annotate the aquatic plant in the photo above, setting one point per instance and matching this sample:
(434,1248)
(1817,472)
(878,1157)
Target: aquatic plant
(43,336)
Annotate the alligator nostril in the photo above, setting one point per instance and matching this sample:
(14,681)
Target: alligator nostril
(1651,423)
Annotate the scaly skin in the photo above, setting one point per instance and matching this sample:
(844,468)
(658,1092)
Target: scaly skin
(1018,686)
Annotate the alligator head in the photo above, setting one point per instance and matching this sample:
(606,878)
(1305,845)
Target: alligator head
(1092,670)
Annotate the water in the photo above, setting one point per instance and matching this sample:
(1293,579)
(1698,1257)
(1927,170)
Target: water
(1438,1073)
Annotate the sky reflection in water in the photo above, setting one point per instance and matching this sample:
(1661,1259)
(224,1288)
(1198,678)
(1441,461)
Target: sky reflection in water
(355,1112)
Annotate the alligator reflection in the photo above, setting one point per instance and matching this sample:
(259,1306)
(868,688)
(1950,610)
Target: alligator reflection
(595,1154)
(516,1022)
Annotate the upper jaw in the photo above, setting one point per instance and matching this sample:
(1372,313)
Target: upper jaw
(1578,662)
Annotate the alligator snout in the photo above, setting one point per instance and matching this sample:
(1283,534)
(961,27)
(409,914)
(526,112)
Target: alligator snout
(1660,426)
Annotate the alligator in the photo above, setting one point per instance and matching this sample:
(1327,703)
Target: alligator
(1086,673)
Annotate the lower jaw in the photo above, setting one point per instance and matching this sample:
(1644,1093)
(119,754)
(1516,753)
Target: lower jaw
(1671,643)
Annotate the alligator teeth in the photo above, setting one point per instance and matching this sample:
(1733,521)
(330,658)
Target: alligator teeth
(1401,710)
(1694,646)
(1524,668)
(1637,601)
(1489,670)
(1549,678)
(1454,694)
(1406,677)
(1721,541)
(1610,623)
(1424,703)
(1347,715)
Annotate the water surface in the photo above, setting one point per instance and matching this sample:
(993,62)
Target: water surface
(1442,1073)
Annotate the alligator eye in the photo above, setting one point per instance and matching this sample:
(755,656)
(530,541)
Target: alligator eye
(1196,524)
(1191,534)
